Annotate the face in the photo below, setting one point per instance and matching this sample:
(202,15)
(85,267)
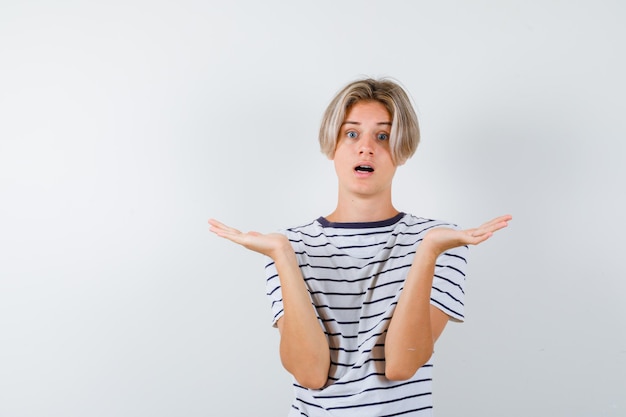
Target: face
(362,157)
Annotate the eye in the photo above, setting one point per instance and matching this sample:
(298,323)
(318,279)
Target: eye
(382,136)
(352,134)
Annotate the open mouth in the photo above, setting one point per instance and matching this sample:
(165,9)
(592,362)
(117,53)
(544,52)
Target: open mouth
(364,168)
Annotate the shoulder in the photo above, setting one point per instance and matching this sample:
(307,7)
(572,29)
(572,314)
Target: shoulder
(306,231)
(422,224)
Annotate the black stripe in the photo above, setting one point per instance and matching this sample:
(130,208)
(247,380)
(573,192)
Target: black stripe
(395,400)
(447,309)
(449,295)
(417,381)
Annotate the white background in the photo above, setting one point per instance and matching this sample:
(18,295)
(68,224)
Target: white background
(125,125)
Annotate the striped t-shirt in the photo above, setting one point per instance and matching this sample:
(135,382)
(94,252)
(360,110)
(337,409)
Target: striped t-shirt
(355,273)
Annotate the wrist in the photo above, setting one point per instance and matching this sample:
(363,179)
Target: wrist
(428,251)
(283,252)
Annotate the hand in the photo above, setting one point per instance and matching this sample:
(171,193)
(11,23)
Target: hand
(267,244)
(442,239)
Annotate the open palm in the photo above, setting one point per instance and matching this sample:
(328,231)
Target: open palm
(266,244)
(442,239)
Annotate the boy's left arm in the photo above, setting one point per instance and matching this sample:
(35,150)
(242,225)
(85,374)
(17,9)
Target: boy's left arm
(416,324)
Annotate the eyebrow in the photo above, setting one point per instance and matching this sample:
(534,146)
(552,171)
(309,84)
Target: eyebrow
(358,123)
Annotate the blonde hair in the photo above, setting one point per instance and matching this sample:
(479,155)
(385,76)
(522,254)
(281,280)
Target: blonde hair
(404,136)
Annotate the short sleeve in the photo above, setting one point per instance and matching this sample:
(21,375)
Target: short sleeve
(448,291)
(273,291)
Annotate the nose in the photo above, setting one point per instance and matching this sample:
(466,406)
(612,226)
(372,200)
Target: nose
(366,146)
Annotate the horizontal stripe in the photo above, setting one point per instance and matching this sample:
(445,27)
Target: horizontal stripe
(381,402)
(354,276)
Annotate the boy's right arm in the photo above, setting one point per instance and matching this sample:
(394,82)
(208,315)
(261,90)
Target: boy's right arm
(304,349)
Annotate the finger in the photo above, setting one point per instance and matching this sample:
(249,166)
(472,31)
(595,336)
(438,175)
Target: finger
(478,235)
(497,221)
(502,220)
(217,226)
(486,229)
(233,236)
(496,224)
(481,238)
(226,232)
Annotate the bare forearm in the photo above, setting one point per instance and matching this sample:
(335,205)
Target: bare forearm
(304,348)
(409,342)
(303,345)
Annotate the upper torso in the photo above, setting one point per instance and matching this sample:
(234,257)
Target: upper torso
(355,273)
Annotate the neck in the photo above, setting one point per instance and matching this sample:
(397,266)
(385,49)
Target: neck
(353,209)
